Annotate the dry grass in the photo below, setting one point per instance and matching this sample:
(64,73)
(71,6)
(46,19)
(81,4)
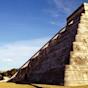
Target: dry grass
(13,85)
(56,86)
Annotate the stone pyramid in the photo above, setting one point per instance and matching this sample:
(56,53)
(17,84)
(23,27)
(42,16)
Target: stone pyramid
(62,60)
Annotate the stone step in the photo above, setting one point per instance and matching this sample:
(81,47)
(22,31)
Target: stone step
(79,60)
(78,48)
(82,31)
(81,38)
(84,35)
(71,67)
(79,57)
(86,12)
(82,28)
(84,21)
(80,54)
(83,15)
(80,43)
(82,25)
(76,74)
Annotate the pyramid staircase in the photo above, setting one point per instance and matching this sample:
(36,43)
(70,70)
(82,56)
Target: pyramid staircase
(77,72)
(62,60)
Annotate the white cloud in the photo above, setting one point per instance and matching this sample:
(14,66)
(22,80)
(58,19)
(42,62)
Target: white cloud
(61,4)
(16,53)
(54,23)
(57,9)
(8,60)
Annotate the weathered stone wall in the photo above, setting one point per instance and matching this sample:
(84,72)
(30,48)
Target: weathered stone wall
(64,58)
(77,72)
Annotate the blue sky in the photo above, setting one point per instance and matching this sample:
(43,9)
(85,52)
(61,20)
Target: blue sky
(25,25)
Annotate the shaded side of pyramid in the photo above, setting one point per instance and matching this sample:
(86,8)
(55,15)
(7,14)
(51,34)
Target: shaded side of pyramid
(63,59)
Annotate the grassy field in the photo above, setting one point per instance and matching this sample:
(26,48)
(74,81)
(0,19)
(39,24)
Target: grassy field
(13,85)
